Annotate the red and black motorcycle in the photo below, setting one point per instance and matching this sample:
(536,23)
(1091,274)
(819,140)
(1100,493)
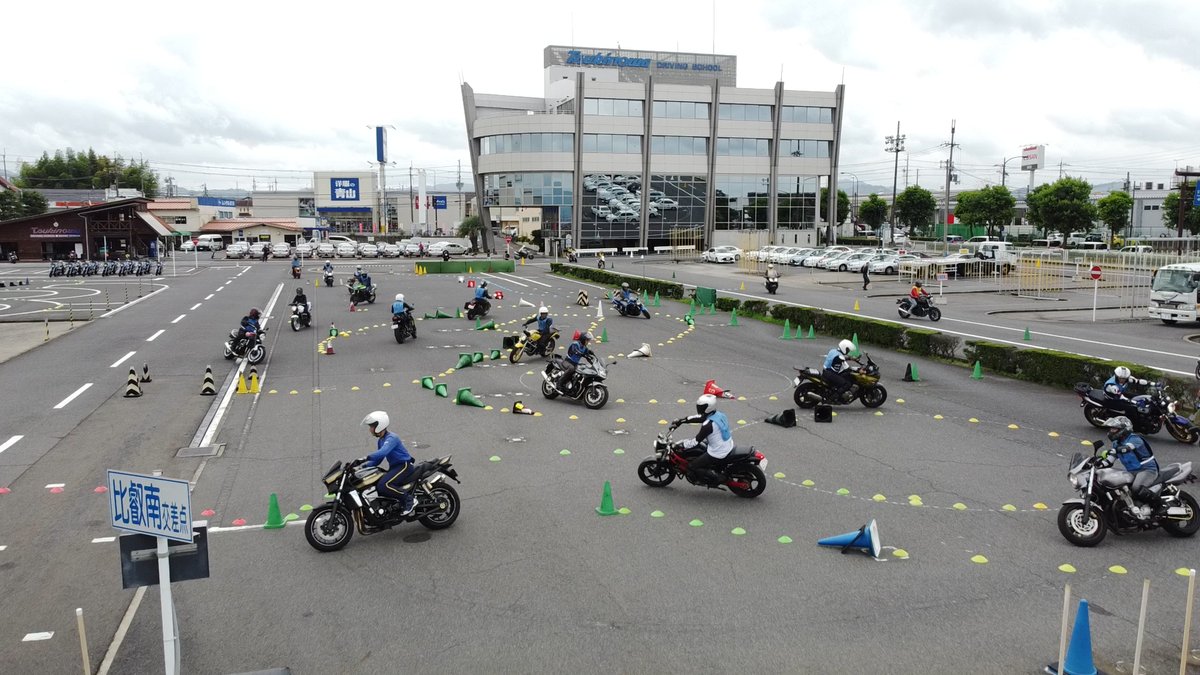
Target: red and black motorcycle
(741,471)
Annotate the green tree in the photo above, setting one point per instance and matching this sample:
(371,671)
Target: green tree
(1114,211)
(1063,206)
(471,227)
(843,206)
(71,170)
(991,208)
(1191,214)
(21,204)
(873,211)
(915,207)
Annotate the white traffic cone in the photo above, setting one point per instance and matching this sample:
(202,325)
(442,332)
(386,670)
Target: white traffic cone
(643,351)
(525,303)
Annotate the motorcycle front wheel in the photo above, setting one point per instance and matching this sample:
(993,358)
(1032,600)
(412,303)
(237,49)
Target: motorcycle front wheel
(753,476)
(228,353)
(874,397)
(295,323)
(326,531)
(595,397)
(935,314)
(515,354)
(655,473)
(1095,415)
(256,355)
(1183,434)
(371,298)
(800,396)
(1184,527)
(646,313)
(1073,528)
(445,497)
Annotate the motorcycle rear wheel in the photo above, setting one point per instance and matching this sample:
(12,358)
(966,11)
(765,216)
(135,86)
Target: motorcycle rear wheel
(1095,415)
(1072,528)
(399,333)
(749,474)
(1184,528)
(655,473)
(903,314)
(550,346)
(444,517)
(800,395)
(342,526)
(547,391)
(874,397)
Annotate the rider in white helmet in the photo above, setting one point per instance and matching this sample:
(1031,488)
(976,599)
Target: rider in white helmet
(837,367)
(400,463)
(544,326)
(400,306)
(1116,391)
(715,435)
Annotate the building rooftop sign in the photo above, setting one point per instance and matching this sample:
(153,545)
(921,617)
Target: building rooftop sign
(633,65)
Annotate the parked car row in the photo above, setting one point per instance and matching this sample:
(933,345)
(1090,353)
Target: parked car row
(333,248)
(620,198)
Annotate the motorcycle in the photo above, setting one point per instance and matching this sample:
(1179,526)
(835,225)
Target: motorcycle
(772,285)
(357,505)
(1105,501)
(571,257)
(477,308)
(1152,411)
(631,308)
(528,344)
(329,279)
(742,470)
(811,387)
(249,347)
(587,383)
(301,316)
(909,308)
(403,327)
(12,257)
(360,293)
(295,272)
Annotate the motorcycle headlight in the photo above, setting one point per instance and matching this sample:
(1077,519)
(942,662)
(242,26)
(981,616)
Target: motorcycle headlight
(1078,480)
(1171,407)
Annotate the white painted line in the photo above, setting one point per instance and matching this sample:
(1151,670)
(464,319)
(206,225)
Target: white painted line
(124,307)
(179,318)
(524,279)
(228,282)
(160,332)
(122,360)
(34,637)
(55,485)
(10,442)
(220,288)
(70,398)
(208,297)
(103,540)
(195,306)
(119,637)
(485,274)
(3,547)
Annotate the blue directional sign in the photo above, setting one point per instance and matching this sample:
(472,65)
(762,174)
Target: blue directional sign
(439,202)
(153,505)
(1196,195)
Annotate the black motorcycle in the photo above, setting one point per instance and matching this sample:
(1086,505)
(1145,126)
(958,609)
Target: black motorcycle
(360,293)
(741,471)
(246,345)
(811,387)
(772,285)
(12,257)
(477,308)
(1105,501)
(587,383)
(357,505)
(909,307)
(1151,411)
(630,308)
(403,326)
(301,317)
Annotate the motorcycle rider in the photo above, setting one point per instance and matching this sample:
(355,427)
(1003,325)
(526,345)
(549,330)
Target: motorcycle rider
(482,295)
(836,368)
(577,350)
(1116,390)
(296,265)
(544,325)
(302,300)
(626,295)
(1137,457)
(772,274)
(250,323)
(714,433)
(327,269)
(919,296)
(400,306)
(400,463)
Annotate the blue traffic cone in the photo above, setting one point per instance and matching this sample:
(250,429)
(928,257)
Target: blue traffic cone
(1079,652)
(865,538)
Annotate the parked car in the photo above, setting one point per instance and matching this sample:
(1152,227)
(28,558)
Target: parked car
(187,246)
(368,250)
(209,242)
(601,211)
(798,257)
(237,249)
(326,249)
(833,261)
(412,249)
(304,250)
(454,248)
(281,250)
(256,249)
(665,203)
(390,250)
(722,254)
(345,250)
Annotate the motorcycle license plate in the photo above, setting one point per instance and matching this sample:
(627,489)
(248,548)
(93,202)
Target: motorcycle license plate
(762,464)
(795,382)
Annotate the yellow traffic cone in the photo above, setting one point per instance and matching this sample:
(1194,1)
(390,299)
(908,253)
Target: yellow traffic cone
(242,384)
(856,304)
(254,381)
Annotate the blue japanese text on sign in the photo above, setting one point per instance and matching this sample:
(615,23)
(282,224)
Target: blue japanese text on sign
(343,189)
(153,505)
(439,201)
(1196,195)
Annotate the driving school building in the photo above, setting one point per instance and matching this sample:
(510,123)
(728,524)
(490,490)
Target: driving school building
(119,228)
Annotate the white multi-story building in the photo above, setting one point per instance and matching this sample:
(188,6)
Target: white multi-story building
(629,148)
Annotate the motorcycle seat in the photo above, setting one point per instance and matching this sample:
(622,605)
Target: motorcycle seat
(737,453)
(1166,473)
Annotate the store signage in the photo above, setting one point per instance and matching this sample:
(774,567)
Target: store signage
(439,201)
(55,232)
(343,189)
(215,201)
(578,58)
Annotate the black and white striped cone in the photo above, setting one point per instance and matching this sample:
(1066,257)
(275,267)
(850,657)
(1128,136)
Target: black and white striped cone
(132,389)
(145,373)
(209,388)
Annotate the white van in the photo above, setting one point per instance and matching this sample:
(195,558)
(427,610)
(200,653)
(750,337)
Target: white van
(209,242)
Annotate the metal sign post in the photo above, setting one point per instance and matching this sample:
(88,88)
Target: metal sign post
(1095,289)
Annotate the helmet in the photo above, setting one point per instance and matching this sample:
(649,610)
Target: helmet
(586,336)
(399,297)
(706,404)
(1118,427)
(299,290)
(770,266)
(625,285)
(917,284)
(483,284)
(1122,373)
(543,310)
(255,313)
(377,420)
(358,268)
(845,346)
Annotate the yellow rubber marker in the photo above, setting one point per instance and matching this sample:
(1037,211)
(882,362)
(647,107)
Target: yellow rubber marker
(354,389)
(900,401)
(1117,569)
(316,391)
(293,392)
(416,382)
(878,413)
(488,407)
(737,531)
(624,510)
(537,414)
(1053,434)
(529,372)
(979,560)
(1013,426)
(620,400)
(661,344)
(1009,507)
(780,474)
(1085,442)
(618,451)
(772,398)
(959,506)
(742,422)
(494,458)
(784,539)
(901,554)
(834,413)
(653,400)
(938,417)
(1183,572)
(573,417)
(273,392)
(387,384)
(504,410)
(879,498)
(662,422)
(1067,567)
(807,483)
(620,420)
(741,398)
(681,401)
(1040,506)
(843,491)
(974,420)
(916,502)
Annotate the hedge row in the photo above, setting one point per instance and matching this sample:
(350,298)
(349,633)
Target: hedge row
(1042,366)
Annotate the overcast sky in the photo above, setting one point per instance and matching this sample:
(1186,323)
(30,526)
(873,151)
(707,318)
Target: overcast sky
(225,93)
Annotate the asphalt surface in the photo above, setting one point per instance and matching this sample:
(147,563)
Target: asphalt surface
(530,578)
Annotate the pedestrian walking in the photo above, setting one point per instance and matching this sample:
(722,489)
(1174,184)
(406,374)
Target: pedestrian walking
(866,276)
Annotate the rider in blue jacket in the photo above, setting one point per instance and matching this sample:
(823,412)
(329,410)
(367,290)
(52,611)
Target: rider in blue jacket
(1137,458)
(400,306)
(577,350)
(400,463)
(836,368)
(1116,390)
(544,325)
(627,295)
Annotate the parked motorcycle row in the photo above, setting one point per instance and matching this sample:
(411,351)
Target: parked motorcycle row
(120,268)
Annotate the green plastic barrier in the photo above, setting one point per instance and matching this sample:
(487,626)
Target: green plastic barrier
(461,266)
(706,296)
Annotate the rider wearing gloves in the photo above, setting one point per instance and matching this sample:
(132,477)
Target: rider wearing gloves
(836,368)
(400,463)
(627,294)
(302,300)
(772,274)
(362,277)
(1116,390)
(1137,457)
(250,323)
(577,350)
(400,306)
(714,433)
(544,325)
(482,296)
(327,268)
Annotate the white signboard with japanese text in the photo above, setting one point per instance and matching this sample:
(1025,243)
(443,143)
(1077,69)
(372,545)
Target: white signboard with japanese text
(153,505)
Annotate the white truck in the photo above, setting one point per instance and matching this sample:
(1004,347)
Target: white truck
(1173,293)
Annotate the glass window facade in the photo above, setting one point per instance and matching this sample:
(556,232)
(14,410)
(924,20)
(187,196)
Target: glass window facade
(613,107)
(744,147)
(610,213)
(806,114)
(612,143)
(506,143)
(677,202)
(742,202)
(550,190)
(803,148)
(680,110)
(798,196)
(744,112)
(678,145)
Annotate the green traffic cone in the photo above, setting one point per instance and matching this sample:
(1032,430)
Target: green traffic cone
(274,519)
(606,502)
(687,318)
(476,323)
(441,315)
(787,328)
(811,335)
(604,335)
(457,313)
(476,357)
(427,382)
(733,317)
(656,302)
(645,298)
(464,360)
(857,351)
(977,374)
(1027,336)
(490,325)
(430,316)
(494,355)
(672,274)
(465,397)
(440,389)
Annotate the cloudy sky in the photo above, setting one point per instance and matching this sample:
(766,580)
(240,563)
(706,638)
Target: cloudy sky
(224,93)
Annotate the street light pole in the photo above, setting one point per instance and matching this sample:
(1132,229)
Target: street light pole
(1004,170)
(854,202)
(895,145)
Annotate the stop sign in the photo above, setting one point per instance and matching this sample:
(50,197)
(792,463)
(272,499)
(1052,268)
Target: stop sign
(1095,272)
(508,240)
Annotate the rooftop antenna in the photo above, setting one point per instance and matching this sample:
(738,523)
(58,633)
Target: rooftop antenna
(572,29)
(714,30)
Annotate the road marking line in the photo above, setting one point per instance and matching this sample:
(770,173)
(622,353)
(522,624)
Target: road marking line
(500,278)
(160,332)
(10,442)
(122,360)
(55,485)
(220,288)
(124,307)
(513,276)
(179,318)
(70,398)
(195,306)
(119,637)
(208,297)
(103,540)
(34,637)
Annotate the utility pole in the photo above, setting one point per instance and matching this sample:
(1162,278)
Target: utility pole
(906,171)
(1060,164)
(949,172)
(410,194)
(895,145)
